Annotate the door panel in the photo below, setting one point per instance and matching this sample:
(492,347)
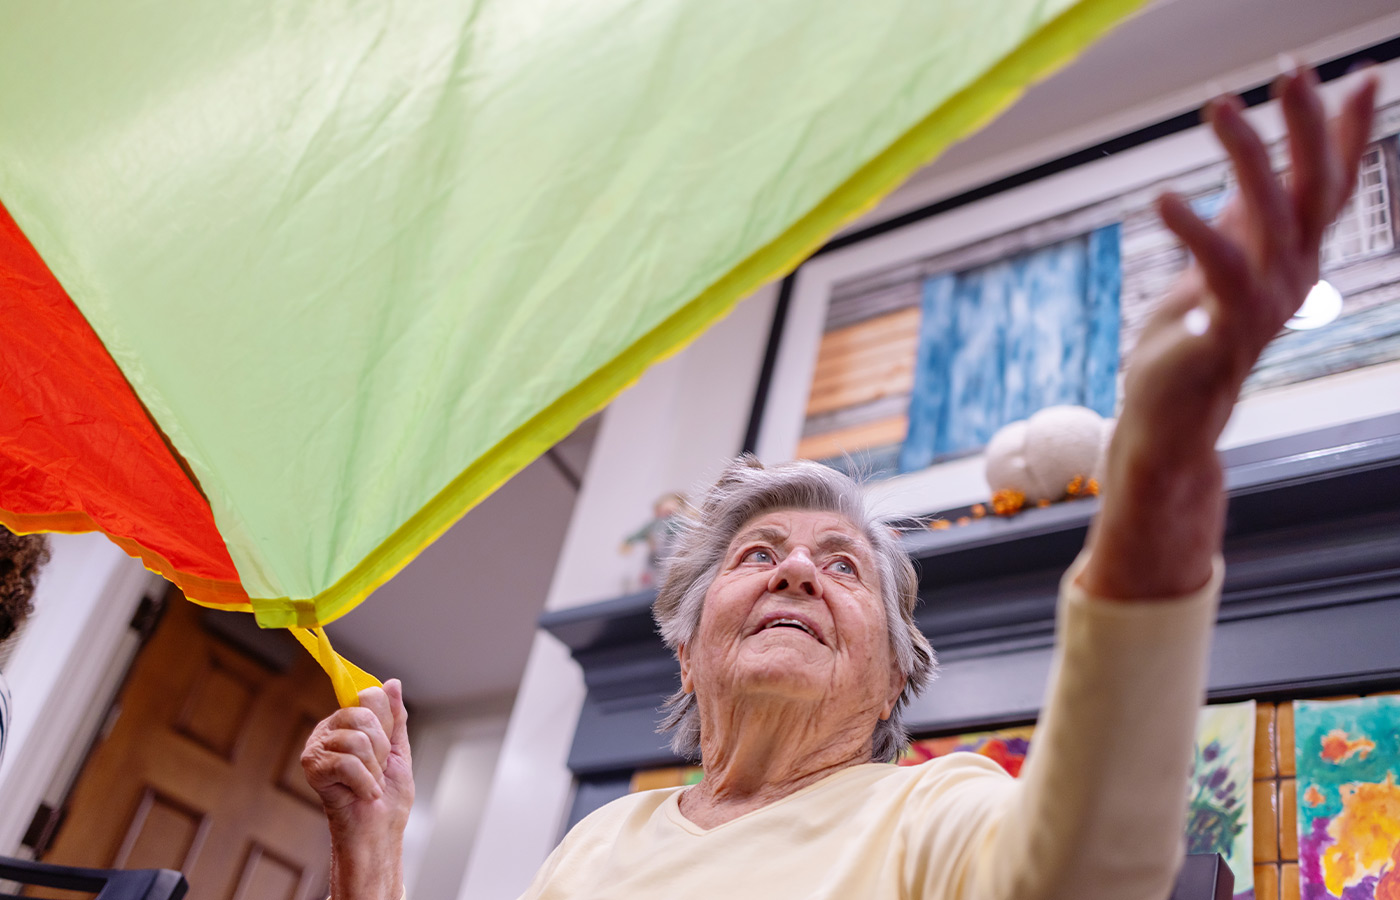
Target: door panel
(266,877)
(201,771)
(163,834)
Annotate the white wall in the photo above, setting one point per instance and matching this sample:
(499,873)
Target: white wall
(454,758)
(85,597)
(672,430)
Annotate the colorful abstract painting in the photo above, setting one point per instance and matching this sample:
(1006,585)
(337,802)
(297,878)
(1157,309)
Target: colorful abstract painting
(1220,818)
(1348,756)
(1007,747)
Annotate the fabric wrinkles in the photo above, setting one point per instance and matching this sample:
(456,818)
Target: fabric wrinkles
(363,266)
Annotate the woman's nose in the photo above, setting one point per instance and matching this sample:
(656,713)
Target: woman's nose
(796,574)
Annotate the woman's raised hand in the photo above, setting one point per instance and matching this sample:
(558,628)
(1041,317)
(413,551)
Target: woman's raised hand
(1162,518)
(1253,267)
(358,761)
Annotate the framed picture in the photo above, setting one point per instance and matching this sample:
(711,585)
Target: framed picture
(902,353)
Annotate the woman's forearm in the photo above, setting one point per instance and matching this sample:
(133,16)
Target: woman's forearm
(1162,515)
(1160,525)
(1100,807)
(366,867)
(359,762)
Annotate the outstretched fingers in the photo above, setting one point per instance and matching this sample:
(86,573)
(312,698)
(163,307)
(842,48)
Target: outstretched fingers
(1351,132)
(1267,204)
(1222,262)
(1316,165)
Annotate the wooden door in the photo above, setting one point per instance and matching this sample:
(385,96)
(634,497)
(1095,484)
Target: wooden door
(201,771)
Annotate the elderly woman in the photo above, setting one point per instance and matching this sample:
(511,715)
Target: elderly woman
(790,612)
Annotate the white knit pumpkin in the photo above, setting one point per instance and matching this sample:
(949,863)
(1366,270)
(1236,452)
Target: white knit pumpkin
(1041,455)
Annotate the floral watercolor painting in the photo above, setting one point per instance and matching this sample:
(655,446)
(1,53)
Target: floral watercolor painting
(1348,758)
(1221,816)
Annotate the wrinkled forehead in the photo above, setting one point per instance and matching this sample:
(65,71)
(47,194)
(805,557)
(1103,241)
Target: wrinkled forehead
(817,529)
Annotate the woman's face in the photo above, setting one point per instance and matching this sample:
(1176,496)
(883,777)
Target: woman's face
(795,614)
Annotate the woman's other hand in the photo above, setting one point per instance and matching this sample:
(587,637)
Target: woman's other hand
(358,761)
(1162,517)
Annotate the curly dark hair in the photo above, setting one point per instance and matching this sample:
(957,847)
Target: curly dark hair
(20,559)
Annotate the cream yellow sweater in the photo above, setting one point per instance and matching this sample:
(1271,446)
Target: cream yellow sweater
(1097,813)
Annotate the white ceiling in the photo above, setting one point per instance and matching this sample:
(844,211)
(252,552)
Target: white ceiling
(457,623)
(1168,59)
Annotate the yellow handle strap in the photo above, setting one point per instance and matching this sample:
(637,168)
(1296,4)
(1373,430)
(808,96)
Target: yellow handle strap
(347,678)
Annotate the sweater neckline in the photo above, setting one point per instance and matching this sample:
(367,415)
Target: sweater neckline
(672,805)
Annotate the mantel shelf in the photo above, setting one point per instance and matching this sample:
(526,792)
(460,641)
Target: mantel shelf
(988,593)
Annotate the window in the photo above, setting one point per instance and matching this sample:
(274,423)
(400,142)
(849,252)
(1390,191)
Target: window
(1364,229)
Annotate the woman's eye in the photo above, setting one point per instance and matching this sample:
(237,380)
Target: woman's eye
(843,567)
(758,556)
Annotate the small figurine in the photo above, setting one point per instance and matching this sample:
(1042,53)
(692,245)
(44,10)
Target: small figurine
(668,517)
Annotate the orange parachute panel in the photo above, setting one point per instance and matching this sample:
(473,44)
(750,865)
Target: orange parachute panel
(78,451)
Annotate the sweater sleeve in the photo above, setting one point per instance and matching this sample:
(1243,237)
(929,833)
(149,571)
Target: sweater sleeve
(1099,810)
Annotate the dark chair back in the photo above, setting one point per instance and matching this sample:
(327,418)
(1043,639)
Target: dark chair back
(107,884)
(1204,876)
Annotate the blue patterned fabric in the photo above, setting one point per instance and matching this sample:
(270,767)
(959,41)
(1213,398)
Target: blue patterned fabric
(998,342)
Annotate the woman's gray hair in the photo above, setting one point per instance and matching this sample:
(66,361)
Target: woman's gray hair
(748,489)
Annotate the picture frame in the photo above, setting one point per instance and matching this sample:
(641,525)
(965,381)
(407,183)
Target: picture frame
(1071,201)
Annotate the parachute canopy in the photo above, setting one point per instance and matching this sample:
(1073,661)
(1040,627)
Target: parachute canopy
(288,287)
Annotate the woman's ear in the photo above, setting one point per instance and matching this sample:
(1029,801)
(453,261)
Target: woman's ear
(897,684)
(683,655)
